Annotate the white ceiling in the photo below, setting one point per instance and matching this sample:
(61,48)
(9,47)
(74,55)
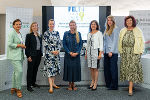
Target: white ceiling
(119,7)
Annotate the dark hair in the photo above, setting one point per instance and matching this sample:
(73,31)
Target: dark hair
(133,21)
(17,20)
(97,28)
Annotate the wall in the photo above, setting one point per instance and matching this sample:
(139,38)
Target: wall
(2,33)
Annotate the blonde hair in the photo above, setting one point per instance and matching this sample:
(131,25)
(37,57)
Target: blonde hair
(31,27)
(109,29)
(76,32)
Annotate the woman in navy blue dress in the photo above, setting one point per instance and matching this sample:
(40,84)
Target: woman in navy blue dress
(72,43)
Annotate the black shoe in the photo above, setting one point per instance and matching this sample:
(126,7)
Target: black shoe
(90,87)
(30,89)
(35,85)
(94,89)
(130,94)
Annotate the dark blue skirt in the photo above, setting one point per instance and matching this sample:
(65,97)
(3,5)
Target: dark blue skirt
(72,68)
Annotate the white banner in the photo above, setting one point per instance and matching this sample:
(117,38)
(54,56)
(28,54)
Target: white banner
(26,17)
(143,22)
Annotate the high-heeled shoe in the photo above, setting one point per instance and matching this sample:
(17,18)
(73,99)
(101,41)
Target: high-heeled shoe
(130,94)
(19,94)
(51,91)
(13,90)
(70,87)
(56,87)
(73,87)
(90,87)
(93,89)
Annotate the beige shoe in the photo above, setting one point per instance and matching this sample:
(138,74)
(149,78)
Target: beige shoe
(13,90)
(19,94)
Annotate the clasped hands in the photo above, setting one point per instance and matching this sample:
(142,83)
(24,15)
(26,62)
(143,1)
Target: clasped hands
(73,54)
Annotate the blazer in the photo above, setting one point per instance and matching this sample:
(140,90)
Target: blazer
(139,40)
(110,42)
(98,40)
(67,41)
(14,53)
(31,45)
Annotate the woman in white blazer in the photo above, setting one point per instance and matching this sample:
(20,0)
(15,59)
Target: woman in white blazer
(94,51)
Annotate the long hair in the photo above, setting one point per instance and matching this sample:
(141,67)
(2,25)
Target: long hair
(76,32)
(109,29)
(97,28)
(31,27)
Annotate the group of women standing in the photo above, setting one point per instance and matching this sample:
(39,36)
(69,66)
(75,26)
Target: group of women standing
(129,43)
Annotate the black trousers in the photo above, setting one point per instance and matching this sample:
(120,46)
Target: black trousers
(111,70)
(32,69)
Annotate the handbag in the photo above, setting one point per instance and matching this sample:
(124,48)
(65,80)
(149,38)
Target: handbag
(98,61)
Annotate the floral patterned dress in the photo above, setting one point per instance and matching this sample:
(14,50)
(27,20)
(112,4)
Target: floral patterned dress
(52,42)
(130,67)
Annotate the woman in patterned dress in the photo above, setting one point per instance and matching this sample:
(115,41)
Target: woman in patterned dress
(94,51)
(52,45)
(131,46)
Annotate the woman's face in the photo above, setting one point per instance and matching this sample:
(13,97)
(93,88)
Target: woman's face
(72,26)
(129,22)
(17,25)
(51,25)
(109,21)
(93,26)
(35,27)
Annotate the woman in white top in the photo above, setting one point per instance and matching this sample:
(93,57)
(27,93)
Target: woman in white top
(94,51)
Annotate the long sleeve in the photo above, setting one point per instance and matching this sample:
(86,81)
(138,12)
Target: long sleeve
(65,43)
(45,44)
(80,44)
(143,43)
(27,44)
(114,41)
(101,41)
(59,42)
(11,43)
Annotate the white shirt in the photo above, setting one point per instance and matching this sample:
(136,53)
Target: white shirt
(20,37)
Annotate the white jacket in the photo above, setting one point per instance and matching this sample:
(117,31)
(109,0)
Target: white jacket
(98,40)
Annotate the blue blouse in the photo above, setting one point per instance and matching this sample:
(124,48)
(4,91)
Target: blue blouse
(111,42)
(70,44)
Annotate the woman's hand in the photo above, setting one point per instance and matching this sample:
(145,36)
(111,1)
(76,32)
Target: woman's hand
(21,46)
(55,52)
(110,54)
(73,54)
(99,57)
(29,59)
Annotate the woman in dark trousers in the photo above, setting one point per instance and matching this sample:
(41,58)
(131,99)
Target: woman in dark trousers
(33,52)
(72,43)
(111,36)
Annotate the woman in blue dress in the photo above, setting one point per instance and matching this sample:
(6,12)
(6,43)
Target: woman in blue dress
(72,43)
(52,45)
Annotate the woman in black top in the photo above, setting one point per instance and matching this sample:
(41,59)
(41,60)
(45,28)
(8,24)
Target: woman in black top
(33,52)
